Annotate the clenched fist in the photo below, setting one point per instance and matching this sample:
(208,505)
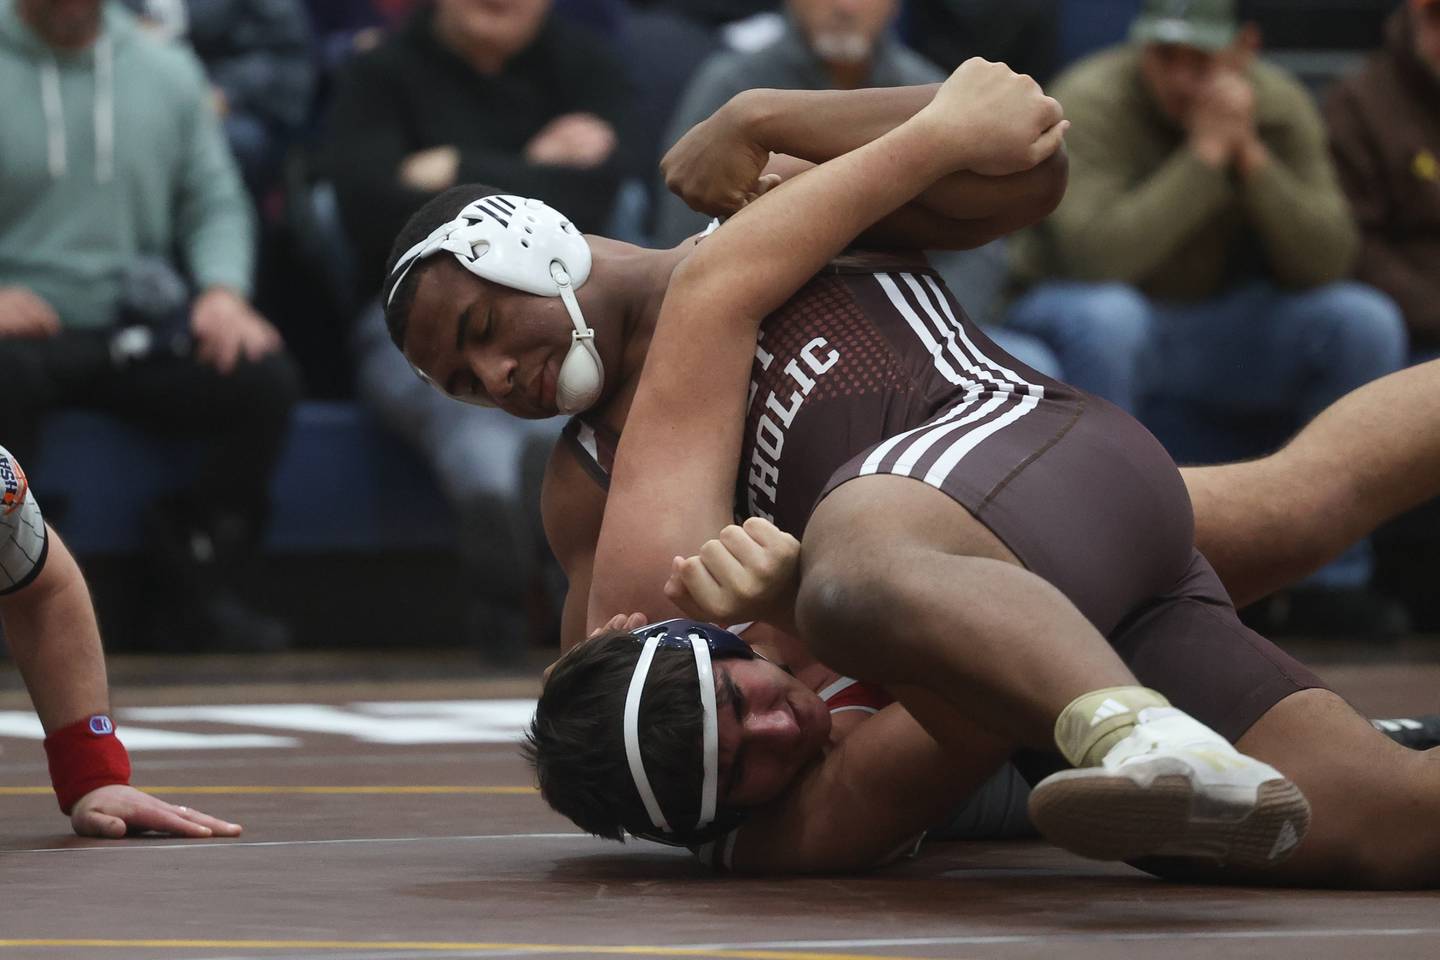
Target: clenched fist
(749,572)
(716,167)
(991,120)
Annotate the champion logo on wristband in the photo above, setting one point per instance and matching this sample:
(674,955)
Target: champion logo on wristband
(85,756)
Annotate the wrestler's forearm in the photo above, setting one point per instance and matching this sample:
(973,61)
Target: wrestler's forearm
(772,247)
(55,642)
(818,125)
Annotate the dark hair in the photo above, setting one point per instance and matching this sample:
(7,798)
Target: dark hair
(576,742)
(439,210)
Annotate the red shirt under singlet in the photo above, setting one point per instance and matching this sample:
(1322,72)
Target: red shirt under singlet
(847,695)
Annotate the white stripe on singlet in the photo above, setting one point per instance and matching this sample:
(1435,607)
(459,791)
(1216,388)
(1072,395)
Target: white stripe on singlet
(973,390)
(1007,384)
(938,353)
(1010,380)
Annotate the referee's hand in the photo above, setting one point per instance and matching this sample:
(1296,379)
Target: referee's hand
(117,810)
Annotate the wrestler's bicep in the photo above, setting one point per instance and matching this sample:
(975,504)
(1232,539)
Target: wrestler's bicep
(961,211)
(673,486)
(867,802)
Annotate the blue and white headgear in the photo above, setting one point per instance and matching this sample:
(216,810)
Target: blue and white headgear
(708,642)
(529,246)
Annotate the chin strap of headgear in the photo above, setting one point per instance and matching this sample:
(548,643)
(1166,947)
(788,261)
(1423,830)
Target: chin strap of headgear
(582,374)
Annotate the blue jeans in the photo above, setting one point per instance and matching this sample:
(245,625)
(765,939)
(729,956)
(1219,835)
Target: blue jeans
(1099,332)
(1254,349)
(1256,353)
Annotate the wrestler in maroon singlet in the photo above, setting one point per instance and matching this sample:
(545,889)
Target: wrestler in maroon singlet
(876,347)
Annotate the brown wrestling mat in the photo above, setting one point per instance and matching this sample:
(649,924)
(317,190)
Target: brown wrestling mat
(395,819)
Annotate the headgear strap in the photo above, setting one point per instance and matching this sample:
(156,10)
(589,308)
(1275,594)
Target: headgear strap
(710,737)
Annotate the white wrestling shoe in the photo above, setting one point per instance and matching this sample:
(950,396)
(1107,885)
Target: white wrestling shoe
(1173,788)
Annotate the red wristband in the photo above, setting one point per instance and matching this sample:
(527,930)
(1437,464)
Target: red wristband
(85,756)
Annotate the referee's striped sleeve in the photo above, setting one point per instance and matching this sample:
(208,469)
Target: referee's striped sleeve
(24,544)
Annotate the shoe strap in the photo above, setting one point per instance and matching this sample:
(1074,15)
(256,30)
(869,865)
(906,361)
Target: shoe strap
(1162,729)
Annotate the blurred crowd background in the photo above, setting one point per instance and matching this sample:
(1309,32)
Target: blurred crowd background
(197,197)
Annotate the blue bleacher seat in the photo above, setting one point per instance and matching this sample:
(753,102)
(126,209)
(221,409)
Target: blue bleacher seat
(342,484)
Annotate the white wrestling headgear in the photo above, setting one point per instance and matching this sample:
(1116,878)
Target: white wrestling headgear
(529,246)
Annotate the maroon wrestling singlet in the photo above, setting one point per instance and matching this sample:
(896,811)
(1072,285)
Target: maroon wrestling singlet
(873,368)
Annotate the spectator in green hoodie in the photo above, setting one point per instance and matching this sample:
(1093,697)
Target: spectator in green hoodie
(126,255)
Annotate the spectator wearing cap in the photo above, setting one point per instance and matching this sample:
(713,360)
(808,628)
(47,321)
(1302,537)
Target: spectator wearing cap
(1199,258)
(1204,237)
(1385,134)
(471,91)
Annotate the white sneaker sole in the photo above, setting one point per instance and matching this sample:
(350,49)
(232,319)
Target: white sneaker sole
(1155,809)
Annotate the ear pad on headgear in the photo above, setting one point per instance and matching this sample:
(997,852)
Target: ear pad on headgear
(582,374)
(581,377)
